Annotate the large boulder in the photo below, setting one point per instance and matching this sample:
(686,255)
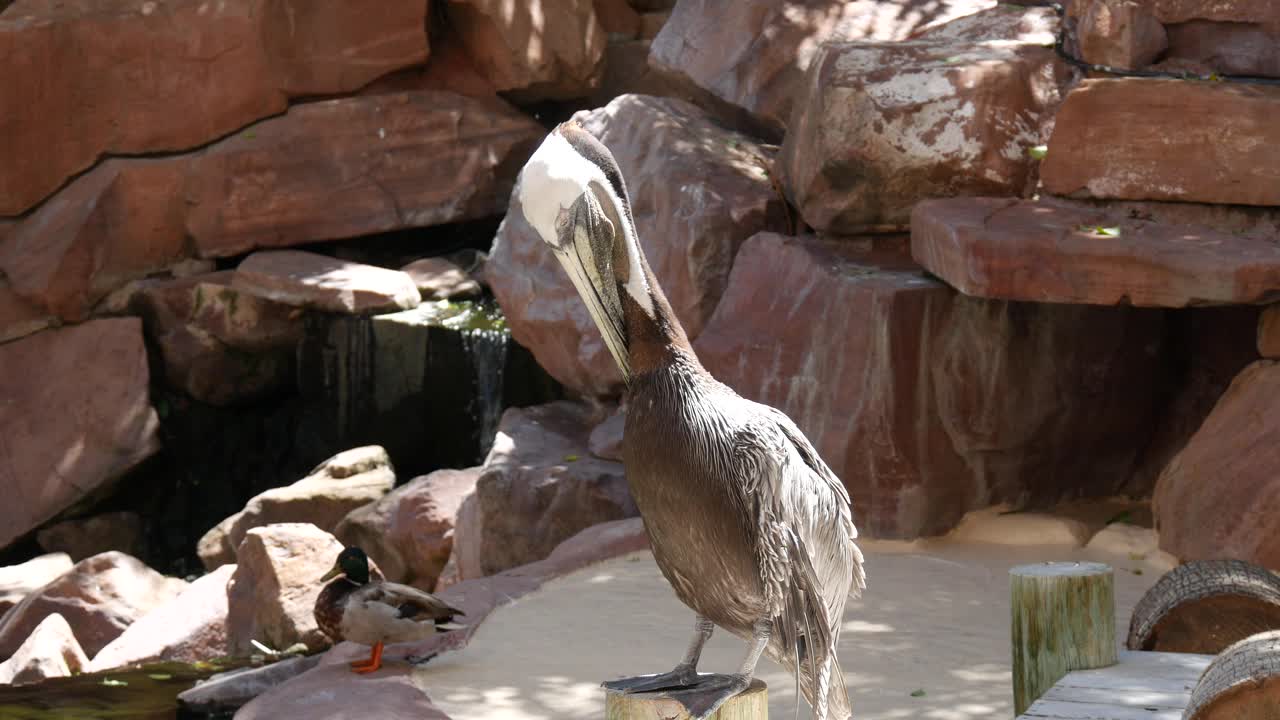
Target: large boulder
(51,651)
(1218,497)
(697,192)
(322,171)
(77,404)
(409,532)
(540,486)
(346,481)
(933,404)
(219,344)
(1010,249)
(19,581)
(271,595)
(1093,152)
(878,127)
(752,54)
(174,75)
(552,49)
(99,597)
(1227,38)
(310,280)
(120,221)
(227,691)
(190,627)
(332,692)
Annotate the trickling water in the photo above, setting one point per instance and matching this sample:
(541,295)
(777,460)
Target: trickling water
(488,352)
(429,384)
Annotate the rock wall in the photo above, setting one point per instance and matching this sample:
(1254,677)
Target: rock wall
(259,240)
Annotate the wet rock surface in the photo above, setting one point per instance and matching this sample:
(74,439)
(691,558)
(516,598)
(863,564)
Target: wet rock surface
(18,581)
(50,651)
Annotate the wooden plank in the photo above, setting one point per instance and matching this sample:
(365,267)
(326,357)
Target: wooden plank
(1121,682)
(1128,697)
(1140,686)
(1088,711)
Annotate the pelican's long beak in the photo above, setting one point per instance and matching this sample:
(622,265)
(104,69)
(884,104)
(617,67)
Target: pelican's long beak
(586,251)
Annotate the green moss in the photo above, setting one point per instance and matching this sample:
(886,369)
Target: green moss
(467,315)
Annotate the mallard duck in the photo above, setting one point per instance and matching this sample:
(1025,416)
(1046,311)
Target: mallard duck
(375,612)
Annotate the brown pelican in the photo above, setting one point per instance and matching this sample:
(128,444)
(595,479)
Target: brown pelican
(748,524)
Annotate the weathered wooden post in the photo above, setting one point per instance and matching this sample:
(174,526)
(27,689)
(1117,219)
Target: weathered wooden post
(1064,619)
(750,704)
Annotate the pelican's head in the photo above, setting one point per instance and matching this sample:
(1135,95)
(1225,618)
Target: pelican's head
(571,192)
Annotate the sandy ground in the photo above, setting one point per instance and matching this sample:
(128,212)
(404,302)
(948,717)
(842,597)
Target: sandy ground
(935,618)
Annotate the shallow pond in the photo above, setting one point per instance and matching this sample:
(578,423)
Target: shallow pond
(148,692)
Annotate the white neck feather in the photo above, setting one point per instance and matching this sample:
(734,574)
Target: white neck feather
(553,179)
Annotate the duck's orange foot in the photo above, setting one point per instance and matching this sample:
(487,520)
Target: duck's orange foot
(374,663)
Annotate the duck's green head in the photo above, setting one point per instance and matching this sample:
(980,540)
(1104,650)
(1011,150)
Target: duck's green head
(353,563)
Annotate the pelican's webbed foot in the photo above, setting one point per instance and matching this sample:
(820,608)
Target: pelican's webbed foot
(708,694)
(681,677)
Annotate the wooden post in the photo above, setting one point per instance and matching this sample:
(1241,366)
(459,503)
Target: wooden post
(750,704)
(1064,619)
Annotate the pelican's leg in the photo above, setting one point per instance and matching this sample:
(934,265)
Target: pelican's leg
(684,675)
(712,691)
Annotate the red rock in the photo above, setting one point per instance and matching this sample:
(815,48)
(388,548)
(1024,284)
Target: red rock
(1118,33)
(272,593)
(84,537)
(409,532)
(617,17)
(933,404)
(1200,517)
(1223,37)
(99,597)
(450,70)
(1228,48)
(188,628)
(693,209)
(403,160)
(627,72)
(540,486)
(96,373)
(1094,153)
(1211,346)
(125,68)
(1026,250)
(119,222)
(347,481)
(310,280)
(438,278)
(548,50)
(18,316)
(710,44)
(597,544)
(606,438)
(51,651)
(1269,332)
(218,344)
(880,126)
(19,581)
